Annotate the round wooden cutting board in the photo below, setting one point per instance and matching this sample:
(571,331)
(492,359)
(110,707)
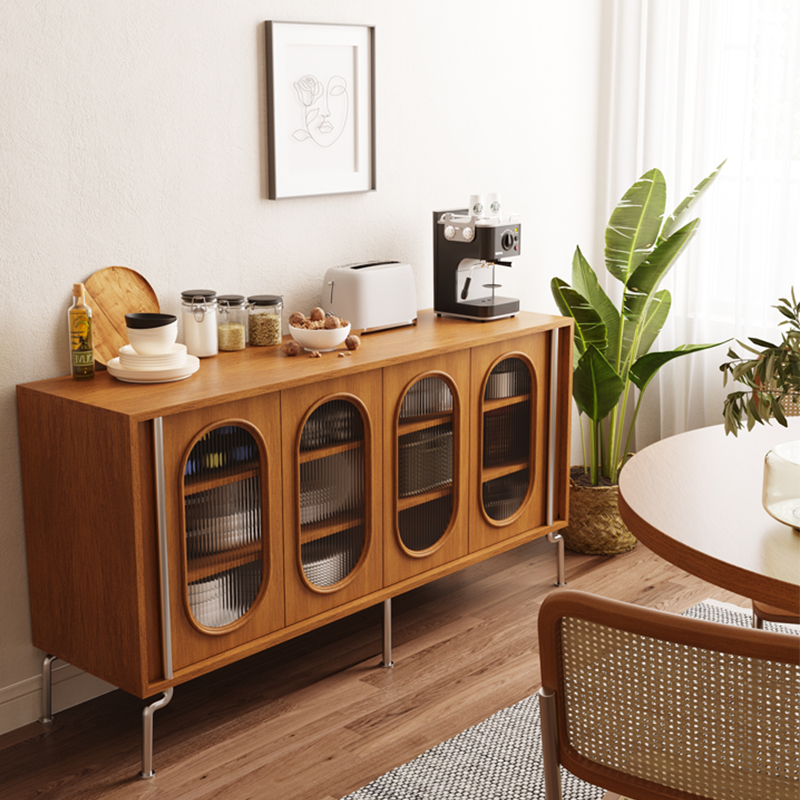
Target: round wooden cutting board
(112,293)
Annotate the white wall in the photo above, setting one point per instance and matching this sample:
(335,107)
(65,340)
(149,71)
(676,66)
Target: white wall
(133,133)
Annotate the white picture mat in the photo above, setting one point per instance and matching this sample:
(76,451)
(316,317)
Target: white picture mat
(326,52)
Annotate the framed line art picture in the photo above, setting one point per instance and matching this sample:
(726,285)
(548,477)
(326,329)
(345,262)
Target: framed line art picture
(320,108)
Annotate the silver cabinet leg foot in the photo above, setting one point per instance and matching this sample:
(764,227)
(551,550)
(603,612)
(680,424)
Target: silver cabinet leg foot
(147,733)
(47,689)
(387,634)
(558,539)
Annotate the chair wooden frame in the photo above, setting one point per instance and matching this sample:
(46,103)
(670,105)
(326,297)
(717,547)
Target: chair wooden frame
(657,706)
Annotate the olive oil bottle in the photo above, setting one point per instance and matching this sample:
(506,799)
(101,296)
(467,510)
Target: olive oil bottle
(80,335)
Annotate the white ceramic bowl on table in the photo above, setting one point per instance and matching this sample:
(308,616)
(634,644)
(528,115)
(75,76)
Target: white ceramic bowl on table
(151,334)
(321,340)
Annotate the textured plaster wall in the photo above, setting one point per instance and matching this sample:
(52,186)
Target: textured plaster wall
(133,133)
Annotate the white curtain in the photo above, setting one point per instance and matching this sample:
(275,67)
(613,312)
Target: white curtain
(690,84)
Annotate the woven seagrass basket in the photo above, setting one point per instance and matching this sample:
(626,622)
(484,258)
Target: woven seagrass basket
(595,526)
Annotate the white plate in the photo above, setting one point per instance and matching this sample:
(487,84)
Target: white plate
(154,375)
(130,359)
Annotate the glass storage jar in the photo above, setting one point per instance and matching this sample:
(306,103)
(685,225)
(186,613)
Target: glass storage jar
(199,319)
(231,322)
(264,319)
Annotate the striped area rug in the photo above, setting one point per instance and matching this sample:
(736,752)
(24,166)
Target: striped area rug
(500,758)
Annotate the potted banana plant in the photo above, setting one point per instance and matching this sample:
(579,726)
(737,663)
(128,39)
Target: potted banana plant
(612,345)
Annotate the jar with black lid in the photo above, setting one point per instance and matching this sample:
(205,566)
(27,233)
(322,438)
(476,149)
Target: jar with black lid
(231,322)
(199,320)
(264,319)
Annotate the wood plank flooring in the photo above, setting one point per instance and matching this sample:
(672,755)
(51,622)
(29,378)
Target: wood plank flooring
(317,717)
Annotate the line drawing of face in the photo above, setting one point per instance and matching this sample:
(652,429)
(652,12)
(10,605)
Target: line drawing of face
(325,109)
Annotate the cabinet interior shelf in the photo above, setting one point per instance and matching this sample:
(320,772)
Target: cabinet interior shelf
(504,402)
(329,450)
(410,501)
(196,485)
(206,566)
(423,421)
(501,470)
(327,527)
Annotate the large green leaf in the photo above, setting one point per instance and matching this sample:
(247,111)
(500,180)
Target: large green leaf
(645,368)
(634,225)
(596,387)
(653,320)
(644,282)
(589,326)
(682,209)
(585,281)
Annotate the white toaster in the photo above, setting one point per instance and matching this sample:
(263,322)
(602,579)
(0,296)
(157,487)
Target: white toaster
(372,295)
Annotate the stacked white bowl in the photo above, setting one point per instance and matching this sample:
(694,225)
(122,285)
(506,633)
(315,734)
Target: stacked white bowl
(153,356)
(151,334)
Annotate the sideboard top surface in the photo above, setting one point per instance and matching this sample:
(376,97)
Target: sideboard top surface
(255,370)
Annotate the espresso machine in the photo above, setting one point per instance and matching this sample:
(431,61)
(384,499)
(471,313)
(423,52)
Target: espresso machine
(467,249)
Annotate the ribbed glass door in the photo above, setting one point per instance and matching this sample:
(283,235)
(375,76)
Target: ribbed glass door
(507,443)
(425,485)
(223,525)
(332,493)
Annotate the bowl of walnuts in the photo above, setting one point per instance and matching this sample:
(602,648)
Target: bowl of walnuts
(318,331)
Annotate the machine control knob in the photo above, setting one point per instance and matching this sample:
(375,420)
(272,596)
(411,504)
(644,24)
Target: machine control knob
(449,232)
(468,234)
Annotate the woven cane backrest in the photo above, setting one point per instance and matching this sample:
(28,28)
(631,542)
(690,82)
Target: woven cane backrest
(709,723)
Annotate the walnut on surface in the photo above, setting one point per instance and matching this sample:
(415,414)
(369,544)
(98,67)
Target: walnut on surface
(315,354)
(292,348)
(352,342)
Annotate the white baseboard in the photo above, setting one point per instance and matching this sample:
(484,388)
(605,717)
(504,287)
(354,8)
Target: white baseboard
(20,703)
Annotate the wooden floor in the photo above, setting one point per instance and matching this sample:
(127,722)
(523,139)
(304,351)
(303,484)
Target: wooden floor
(316,718)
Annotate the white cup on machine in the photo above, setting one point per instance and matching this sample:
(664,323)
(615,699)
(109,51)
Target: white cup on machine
(493,205)
(477,206)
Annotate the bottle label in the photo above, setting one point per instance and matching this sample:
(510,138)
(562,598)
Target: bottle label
(81,346)
(82,358)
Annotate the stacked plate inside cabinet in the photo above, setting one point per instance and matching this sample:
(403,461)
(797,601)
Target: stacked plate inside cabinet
(132,367)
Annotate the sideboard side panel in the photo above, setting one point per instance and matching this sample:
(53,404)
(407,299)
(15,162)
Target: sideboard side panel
(79,491)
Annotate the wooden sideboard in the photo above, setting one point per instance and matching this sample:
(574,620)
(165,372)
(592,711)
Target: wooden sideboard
(175,528)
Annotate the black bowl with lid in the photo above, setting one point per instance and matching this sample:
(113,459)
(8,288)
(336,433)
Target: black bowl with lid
(150,320)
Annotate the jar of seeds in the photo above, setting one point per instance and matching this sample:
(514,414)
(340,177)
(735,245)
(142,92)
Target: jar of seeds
(264,319)
(231,322)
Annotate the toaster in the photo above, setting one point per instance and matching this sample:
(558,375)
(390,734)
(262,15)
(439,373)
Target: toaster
(372,295)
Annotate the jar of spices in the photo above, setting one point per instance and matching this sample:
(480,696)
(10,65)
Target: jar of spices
(199,319)
(231,322)
(264,319)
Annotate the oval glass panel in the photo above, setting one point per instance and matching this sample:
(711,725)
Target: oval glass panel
(332,492)
(425,481)
(223,525)
(506,438)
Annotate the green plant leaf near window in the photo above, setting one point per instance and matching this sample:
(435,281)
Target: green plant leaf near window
(771,374)
(612,343)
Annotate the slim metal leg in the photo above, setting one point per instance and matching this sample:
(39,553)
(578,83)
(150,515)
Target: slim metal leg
(147,733)
(558,539)
(552,773)
(387,634)
(47,689)
(166,627)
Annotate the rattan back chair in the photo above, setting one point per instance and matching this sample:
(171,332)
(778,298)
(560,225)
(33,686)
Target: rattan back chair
(657,706)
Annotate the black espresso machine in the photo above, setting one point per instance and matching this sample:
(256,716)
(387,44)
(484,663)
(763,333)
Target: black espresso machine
(466,252)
